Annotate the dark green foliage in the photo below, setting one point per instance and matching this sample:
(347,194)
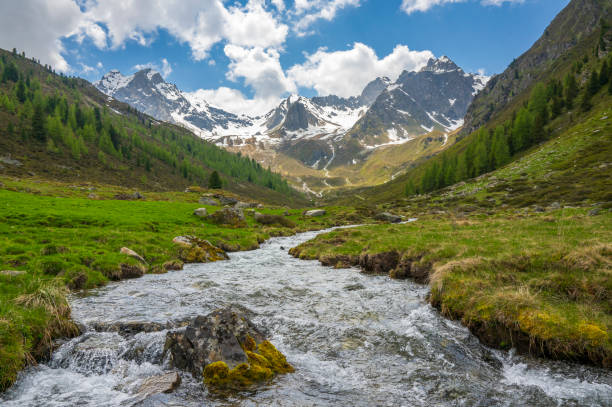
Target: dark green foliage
(38,124)
(20,91)
(570,90)
(214,182)
(10,73)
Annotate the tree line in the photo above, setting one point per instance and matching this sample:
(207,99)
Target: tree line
(67,125)
(490,149)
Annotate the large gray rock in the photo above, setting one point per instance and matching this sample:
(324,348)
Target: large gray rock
(226,200)
(206,200)
(228,216)
(212,338)
(315,213)
(388,217)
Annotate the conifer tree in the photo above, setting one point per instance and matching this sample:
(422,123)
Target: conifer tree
(570,90)
(38,124)
(214,182)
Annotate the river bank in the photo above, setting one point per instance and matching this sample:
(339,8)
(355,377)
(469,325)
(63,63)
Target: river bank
(56,237)
(538,282)
(353,338)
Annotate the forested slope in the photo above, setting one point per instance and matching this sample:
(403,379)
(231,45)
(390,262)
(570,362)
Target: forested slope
(62,128)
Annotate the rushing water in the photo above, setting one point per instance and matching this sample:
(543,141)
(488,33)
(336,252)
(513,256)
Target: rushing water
(354,339)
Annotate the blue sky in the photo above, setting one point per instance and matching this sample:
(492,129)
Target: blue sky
(246,55)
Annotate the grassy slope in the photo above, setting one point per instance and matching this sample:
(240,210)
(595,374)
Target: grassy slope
(515,276)
(62,239)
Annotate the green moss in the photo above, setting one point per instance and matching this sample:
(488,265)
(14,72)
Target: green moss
(263,364)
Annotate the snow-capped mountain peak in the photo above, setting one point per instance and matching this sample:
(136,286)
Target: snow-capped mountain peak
(112,81)
(440,65)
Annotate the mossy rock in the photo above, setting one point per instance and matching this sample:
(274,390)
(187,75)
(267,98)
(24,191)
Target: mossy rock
(194,250)
(264,363)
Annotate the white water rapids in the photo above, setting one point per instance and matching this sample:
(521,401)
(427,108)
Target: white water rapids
(354,339)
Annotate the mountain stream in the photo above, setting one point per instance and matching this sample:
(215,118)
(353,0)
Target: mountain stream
(354,339)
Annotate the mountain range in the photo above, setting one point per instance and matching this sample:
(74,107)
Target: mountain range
(318,132)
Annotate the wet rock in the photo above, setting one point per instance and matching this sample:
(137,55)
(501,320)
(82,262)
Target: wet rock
(207,200)
(315,213)
(129,328)
(165,383)
(195,250)
(388,217)
(227,350)
(173,265)
(129,252)
(212,338)
(228,216)
(201,212)
(354,287)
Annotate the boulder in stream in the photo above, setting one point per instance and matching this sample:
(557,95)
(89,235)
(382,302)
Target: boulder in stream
(195,250)
(226,349)
(165,383)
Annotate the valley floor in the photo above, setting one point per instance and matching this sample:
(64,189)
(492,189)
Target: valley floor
(56,237)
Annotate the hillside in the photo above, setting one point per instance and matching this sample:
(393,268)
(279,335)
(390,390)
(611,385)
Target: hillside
(569,90)
(575,30)
(55,127)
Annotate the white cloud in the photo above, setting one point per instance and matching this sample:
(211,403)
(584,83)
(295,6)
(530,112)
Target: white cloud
(199,23)
(410,6)
(165,69)
(234,101)
(260,69)
(310,11)
(279,4)
(346,73)
(36,27)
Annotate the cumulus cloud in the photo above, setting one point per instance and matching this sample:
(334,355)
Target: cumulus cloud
(165,69)
(37,26)
(310,11)
(234,101)
(346,73)
(198,23)
(260,69)
(410,6)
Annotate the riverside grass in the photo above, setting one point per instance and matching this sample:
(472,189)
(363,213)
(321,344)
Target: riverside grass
(541,278)
(62,239)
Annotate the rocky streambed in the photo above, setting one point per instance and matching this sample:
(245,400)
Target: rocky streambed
(353,339)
